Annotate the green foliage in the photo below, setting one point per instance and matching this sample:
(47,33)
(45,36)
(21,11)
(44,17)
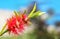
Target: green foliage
(33,10)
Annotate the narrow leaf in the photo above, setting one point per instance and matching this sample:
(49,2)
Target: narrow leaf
(31,13)
(16,13)
(24,11)
(38,13)
(3,28)
(3,32)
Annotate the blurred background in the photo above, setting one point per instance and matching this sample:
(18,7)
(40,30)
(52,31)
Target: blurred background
(46,26)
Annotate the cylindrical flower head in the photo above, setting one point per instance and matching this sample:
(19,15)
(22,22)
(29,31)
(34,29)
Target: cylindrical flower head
(16,23)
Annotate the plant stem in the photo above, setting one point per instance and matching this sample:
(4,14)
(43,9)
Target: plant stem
(3,28)
(3,32)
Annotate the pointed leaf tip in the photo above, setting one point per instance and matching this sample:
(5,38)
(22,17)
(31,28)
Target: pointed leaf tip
(15,13)
(33,10)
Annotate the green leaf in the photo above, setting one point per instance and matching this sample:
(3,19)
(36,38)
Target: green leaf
(31,13)
(16,13)
(3,29)
(38,13)
(24,11)
(3,32)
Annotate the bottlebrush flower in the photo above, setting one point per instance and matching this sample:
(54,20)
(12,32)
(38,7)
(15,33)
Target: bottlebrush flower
(11,24)
(17,22)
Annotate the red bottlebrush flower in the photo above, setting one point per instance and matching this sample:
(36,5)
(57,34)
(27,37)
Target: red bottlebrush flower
(16,23)
(25,19)
(24,16)
(11,24)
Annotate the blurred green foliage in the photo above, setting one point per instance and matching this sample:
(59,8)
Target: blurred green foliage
(35,35)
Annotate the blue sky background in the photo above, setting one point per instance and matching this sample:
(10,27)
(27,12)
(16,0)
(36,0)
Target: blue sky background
(43,5)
